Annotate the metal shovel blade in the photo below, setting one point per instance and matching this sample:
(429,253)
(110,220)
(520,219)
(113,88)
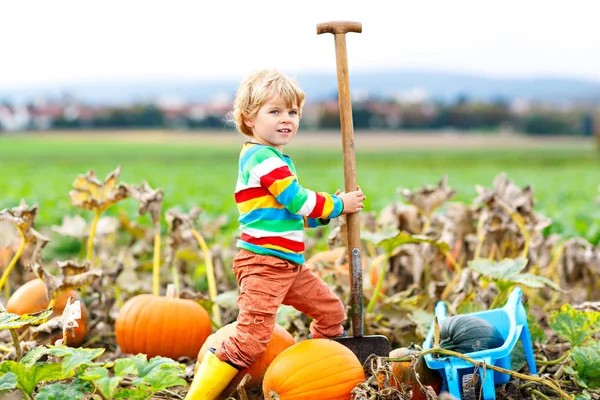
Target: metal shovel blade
(362,346)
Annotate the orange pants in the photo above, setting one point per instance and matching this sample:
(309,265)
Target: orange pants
(266,282)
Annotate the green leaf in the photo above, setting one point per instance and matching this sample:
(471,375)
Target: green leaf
(505,269)
(125,366)
(165,378)
(34,355)
(389,241)
(14,321)
(29,377)
(574,325)
(60,391)
(535,281)
(106,385)
(155,364)
(139,393)
(75,357)
(8,381)
(585,359)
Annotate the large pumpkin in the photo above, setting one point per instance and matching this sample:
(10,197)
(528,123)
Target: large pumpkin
(405,373)
(31,297)
(280,340)
(313,369)
(162,326)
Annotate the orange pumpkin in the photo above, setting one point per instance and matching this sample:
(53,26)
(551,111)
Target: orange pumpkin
(406,374)
(162,326)
(280,340)
(32,297)
(313,369)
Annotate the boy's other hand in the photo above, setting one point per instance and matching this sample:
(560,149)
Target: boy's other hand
(353,201)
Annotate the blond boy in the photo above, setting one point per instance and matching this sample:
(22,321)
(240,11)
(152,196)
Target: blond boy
(274,210)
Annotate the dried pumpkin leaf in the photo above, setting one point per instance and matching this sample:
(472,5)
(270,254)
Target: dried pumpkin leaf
(151,200)
(22,216)
(180,227)
(75,276)
(90,194)
(428,198)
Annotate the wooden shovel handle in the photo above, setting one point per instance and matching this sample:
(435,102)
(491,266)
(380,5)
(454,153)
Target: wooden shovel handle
(339,27)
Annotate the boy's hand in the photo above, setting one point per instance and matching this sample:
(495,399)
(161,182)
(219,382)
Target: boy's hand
(353,201)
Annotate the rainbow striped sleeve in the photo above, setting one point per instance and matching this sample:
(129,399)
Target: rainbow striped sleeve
(271,170)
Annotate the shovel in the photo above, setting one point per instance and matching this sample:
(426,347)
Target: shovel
(362,346)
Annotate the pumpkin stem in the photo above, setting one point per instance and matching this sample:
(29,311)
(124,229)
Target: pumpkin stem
(210,275)
(90,243)
(14,260)
(172,291)
(156,263)
(273,395)
(15,339)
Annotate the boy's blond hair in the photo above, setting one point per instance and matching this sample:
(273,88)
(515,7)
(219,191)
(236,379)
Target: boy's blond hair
(257,88)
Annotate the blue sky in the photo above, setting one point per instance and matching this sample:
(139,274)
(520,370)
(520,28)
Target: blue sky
(72,41)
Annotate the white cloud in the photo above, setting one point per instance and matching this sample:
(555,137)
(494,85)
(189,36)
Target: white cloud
(73,40)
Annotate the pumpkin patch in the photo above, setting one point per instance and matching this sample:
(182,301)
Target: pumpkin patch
(468,256)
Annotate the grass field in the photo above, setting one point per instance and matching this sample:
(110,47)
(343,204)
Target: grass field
(201,170)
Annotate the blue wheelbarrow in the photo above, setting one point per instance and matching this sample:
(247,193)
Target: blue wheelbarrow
(511,322)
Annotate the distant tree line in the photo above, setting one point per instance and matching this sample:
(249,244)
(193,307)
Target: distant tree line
(462,114)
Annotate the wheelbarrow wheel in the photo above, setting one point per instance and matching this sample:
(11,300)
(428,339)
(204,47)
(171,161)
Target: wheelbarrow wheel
(471,387)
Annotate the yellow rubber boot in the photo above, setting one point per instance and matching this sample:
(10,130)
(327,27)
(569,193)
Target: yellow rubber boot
(211,378)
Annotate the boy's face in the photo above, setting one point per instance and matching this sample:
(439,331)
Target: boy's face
(275,124)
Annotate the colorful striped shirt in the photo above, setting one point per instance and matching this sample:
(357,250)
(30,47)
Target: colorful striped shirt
(274,209)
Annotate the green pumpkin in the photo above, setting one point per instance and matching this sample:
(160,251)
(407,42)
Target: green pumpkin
(466,334)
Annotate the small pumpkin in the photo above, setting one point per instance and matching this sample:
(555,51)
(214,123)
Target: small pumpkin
(467,333)
(405,373)
(280,340)
(31,297)
(313,369)
(162,326)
